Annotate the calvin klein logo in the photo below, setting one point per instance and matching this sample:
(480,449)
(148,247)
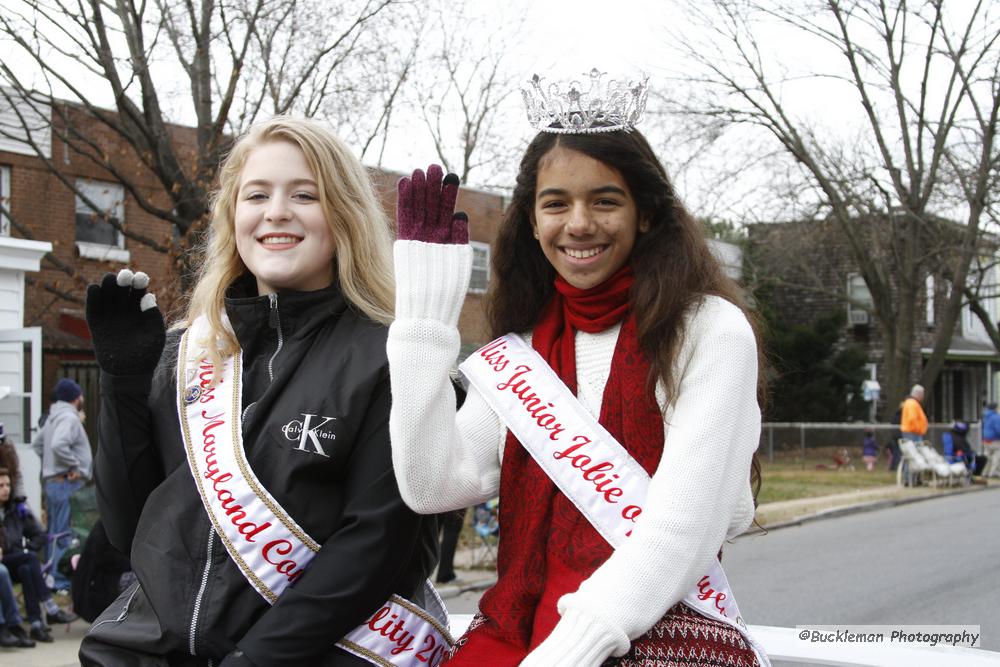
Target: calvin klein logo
(307,432)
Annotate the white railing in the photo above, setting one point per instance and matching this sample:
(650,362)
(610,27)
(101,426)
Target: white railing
(784,644)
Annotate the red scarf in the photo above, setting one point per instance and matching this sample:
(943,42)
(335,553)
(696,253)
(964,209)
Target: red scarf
(547,547)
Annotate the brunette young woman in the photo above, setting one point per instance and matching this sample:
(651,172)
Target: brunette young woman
(598,264)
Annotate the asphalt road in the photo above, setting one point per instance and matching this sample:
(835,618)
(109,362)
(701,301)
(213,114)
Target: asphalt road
(935,562)
(932,562)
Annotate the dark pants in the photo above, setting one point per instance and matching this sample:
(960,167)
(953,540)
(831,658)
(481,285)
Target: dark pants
(894,455)
(25,568)
(451,525)
(8,603)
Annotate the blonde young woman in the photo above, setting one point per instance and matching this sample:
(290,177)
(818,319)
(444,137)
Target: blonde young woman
(244,456)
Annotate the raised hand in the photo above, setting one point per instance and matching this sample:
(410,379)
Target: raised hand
(425,208)
(126,326)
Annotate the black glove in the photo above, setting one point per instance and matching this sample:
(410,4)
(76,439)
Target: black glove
(126,327)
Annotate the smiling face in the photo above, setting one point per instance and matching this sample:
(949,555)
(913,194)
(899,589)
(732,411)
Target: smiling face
(281,231)
(584,216)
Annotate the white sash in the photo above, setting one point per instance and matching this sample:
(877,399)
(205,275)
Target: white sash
(585,461)
(268,546)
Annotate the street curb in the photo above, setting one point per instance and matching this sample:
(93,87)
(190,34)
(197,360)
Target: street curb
(448,591)
(858,508)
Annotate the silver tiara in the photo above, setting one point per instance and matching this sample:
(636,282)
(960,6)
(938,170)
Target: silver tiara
(584,109)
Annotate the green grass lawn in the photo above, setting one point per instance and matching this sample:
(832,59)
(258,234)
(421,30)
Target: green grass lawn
(790,480)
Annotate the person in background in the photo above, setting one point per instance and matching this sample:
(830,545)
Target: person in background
(8,606)
(450,527)
(20,539)
(10,461)
(991,440)
(869,449)
(913,421)
(64,448)
(12,635)
(955,445)
(892,446)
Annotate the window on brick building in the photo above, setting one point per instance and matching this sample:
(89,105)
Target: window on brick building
(859,307)
(96,236)
(4,199)
(480,267)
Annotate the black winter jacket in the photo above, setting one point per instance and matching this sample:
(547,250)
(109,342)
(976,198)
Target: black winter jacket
(305,353)
(19,533)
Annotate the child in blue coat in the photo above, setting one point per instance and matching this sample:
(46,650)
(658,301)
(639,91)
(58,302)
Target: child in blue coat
(869,449)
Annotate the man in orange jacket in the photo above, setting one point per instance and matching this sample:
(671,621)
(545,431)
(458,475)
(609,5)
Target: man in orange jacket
(913,422)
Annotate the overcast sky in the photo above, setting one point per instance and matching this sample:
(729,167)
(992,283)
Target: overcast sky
(570,36)
(561,39)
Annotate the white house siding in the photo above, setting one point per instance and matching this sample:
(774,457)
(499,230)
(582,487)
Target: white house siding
(20,406)
(12,354)
(13,135)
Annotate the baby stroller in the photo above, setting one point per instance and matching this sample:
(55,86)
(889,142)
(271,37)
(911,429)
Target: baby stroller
(957,448)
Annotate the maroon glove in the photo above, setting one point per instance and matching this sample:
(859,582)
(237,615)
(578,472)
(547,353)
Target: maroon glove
(425,209)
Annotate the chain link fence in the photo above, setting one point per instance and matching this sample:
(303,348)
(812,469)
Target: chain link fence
(824,443)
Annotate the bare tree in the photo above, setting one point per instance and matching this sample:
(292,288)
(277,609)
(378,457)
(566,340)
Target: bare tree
(466,88)
(216,65)
(920,167)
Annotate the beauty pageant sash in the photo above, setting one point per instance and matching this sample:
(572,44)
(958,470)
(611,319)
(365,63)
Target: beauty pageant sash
(269,547)
(585,461)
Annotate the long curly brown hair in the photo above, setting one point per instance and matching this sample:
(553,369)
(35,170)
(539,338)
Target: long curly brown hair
(10,464)
(674,267)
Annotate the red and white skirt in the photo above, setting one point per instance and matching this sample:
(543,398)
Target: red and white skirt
(682,638)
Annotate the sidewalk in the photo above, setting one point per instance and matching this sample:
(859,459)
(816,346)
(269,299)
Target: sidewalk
(60,653)
(469,580)
(777,515)
(773,516)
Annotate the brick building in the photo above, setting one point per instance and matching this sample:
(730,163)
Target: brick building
(485,209)
(85,246)
(808,272)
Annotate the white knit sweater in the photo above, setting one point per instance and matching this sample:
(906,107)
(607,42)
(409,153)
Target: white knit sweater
(698,497)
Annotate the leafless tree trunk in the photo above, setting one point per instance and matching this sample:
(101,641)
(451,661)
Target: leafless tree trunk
(925,157)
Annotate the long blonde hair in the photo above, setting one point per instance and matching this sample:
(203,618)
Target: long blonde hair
(360,229)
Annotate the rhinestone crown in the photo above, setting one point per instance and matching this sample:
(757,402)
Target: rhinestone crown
(585,109)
